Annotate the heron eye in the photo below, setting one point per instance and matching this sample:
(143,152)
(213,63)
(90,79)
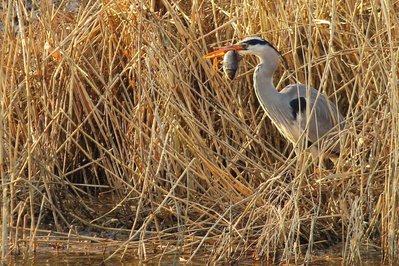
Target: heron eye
(244,45)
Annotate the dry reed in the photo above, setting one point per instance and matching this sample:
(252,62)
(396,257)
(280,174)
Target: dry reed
(113,126)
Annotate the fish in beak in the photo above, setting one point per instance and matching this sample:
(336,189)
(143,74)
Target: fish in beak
(230,59)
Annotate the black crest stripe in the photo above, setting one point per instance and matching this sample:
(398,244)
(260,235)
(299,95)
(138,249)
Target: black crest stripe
(256,41)
(261,42)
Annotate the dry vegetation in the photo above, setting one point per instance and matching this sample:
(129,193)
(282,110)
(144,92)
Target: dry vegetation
(115,131)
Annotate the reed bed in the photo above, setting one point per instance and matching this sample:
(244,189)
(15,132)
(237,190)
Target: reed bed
(115,130)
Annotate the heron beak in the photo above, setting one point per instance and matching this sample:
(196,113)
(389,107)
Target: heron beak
(220,52)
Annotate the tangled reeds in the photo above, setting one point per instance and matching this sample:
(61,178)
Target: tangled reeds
(113,126)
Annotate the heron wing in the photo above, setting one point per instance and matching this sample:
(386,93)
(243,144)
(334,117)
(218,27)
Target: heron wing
(324,114)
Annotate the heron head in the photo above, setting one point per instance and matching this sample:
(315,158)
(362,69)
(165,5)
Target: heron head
(253,45)
(256,46)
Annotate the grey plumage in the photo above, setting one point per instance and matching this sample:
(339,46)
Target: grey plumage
(317,123)
(325,119)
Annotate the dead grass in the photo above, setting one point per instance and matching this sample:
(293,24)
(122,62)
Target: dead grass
(112,123)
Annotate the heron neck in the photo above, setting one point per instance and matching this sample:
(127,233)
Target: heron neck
(267,94)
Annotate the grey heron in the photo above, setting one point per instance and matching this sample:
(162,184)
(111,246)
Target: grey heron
(301,114)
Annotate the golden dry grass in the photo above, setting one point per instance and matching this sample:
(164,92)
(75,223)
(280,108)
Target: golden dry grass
(114,126)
